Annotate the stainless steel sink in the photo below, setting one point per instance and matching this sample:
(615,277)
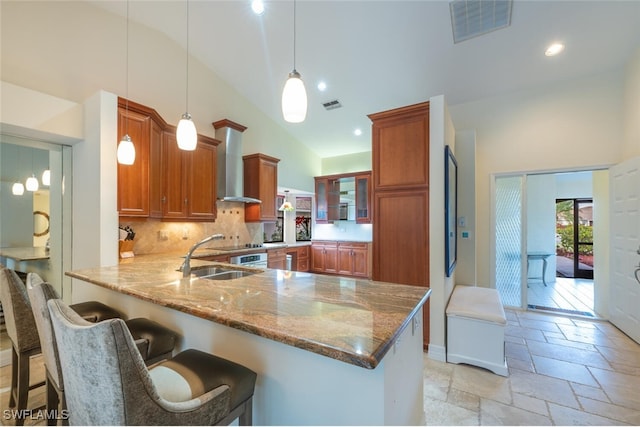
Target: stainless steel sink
(229,275)
(220,273)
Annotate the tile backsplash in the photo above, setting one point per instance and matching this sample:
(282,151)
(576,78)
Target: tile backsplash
(155,236)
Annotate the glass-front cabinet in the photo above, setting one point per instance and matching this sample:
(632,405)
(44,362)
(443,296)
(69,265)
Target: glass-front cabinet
(344,197)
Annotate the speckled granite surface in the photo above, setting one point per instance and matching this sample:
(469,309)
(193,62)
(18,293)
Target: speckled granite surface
(355,321)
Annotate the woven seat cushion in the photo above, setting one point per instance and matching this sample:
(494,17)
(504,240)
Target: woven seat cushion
(193,372)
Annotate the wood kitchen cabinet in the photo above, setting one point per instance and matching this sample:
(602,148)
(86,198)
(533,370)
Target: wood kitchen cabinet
(327,200)
(277,258)
(324,257)
(400,159)
(189,190)
(302,259)
(261,182)
(350,191)
(164,181)
(134,180)
(345,258)
(353,259)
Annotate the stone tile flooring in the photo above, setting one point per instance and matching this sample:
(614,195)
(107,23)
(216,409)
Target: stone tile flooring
(563,371)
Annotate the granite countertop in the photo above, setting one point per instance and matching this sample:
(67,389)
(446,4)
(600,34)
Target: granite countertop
(25,254)
(351,320)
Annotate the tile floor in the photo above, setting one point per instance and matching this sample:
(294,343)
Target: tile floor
(563,293)
(563,371)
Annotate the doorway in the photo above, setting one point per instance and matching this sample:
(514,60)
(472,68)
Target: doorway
(574,238)
(530,253)
(36,220)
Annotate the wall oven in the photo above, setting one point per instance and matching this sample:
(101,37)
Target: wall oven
(253,260)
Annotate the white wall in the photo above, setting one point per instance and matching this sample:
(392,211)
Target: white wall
(46,54)
(569,126)
(632,108)
(601,227)
(541,222)
(465,153)
(357,162)
(441,133)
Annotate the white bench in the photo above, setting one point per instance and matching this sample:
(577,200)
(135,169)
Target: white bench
(475,328)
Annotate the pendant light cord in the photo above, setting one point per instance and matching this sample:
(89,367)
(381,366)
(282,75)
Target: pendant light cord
(187,82)
(294,34)
(126,107)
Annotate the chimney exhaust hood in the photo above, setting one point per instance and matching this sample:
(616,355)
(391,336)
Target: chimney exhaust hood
(230,169)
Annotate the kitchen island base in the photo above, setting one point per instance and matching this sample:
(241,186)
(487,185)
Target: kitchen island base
(295,386)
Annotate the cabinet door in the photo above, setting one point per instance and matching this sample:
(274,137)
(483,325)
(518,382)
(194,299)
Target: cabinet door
(400,148)
(327,200)
(331,258)
(261,182)
(277,258)
(317,257)
(360,262)
(363,199)
(133,180)
(345,260)
(401,237)
(174,197)
(201,182)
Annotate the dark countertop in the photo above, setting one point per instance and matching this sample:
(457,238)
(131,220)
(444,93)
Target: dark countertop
(351,320)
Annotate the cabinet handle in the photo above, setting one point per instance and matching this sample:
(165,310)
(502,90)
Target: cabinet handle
(164,199)
(185,201)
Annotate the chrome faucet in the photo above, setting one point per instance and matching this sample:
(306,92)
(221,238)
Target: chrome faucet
(186,265)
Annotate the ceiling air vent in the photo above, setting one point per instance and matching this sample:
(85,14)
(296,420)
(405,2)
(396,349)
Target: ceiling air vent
(472,18)
(331,105)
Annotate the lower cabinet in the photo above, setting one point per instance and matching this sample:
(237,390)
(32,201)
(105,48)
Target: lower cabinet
(277,258)
(217,258)
(344,258)
(353,259)
(302,259)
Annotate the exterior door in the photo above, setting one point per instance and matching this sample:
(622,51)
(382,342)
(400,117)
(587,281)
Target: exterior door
(625,247)
(574,228)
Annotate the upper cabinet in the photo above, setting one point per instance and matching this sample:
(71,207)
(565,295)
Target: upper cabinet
(133,180)
(164,181)
(344,197)
(189,184)
(261,182)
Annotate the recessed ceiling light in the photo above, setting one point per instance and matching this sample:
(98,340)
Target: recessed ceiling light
(554,49)
(357,132)
(322,86)
(257,6)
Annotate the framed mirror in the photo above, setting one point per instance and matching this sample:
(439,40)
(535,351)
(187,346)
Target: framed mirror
(450,210)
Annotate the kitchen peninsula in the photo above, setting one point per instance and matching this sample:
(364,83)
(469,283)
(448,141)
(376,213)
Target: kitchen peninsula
(328,350)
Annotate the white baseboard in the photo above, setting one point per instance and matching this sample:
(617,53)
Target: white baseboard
(437,352)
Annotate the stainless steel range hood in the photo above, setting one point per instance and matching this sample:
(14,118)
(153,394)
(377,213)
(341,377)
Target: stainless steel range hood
(230,170)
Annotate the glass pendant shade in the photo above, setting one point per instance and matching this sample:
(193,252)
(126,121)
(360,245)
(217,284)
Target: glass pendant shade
(287,207)
(126,151)
(186,134)
(46,177)
(17,189)
(294,99)
(32,183)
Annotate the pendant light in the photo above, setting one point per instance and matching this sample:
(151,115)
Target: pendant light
(46,177)
(126,150)
(286,205)
(17,189)
(294,95)
(186,134)
(32,183)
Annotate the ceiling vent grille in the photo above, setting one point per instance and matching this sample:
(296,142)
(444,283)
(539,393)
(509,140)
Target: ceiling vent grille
(472,18)
(331,105)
